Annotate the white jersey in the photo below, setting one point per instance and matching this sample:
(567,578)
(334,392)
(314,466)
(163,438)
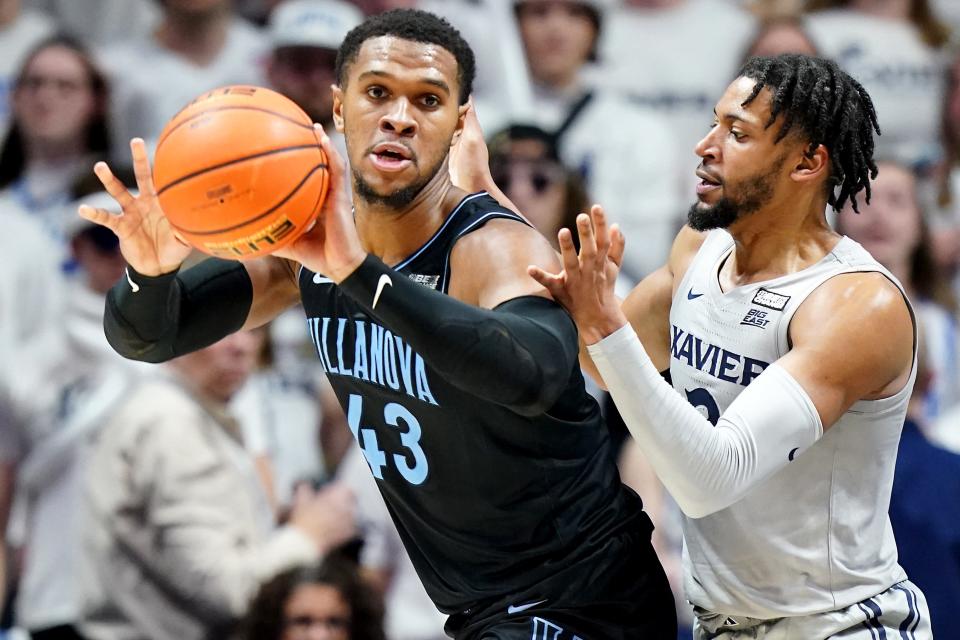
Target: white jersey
(815,536)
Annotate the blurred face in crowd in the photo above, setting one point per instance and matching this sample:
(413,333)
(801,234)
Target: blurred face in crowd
(888,227)
(97,252)
(533,182)
(316,612)
(399,110)
(304,74)
(781,37)
(54,100)
(219,370)
(743,166)
(557,36)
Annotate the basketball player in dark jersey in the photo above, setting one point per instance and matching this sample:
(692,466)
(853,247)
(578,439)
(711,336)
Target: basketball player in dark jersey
(457,372)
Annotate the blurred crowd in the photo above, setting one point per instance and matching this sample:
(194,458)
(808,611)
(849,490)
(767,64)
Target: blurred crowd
(221,495)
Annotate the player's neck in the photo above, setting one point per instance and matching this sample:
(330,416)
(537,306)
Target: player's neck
(769,245)
(394,234)
(197,38)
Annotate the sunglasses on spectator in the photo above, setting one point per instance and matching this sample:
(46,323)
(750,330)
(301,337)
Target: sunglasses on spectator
(539,175)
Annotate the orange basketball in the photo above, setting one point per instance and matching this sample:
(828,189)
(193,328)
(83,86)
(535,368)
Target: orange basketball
(240,172)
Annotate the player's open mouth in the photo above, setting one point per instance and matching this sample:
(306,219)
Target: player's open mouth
(707,182)
(391,157)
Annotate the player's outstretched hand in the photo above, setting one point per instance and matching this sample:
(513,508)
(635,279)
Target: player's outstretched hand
(147,241)
(585,286)
(332,246)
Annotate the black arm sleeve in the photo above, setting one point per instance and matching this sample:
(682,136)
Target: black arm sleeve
(520,355)
(155,319)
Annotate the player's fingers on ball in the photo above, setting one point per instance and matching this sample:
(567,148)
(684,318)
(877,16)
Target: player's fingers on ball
(141,166)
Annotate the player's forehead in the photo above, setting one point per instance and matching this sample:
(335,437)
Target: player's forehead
(731,105)
(403,59)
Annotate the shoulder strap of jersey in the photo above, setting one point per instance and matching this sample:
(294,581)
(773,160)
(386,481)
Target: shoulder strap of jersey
(483,212)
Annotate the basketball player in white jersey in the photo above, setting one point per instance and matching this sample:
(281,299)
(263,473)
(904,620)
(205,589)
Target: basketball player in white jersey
(791,353)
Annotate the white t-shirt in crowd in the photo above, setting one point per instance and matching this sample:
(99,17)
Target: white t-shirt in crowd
(410,614)
(677,61)
(17,40)
(902,74)
(150,83)
(280,419)
(628,156)
(101,21)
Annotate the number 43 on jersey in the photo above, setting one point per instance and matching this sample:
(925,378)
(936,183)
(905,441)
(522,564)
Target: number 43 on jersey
(397,416)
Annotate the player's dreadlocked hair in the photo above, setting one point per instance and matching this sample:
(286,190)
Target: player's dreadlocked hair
(830,108)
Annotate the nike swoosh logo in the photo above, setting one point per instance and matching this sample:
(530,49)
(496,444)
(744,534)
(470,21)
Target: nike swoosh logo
(523,607)
(792,454)
(691,295)
(385,281)
(133,285)
(319,279)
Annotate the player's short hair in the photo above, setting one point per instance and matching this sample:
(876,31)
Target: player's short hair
(828,107)
(417,26)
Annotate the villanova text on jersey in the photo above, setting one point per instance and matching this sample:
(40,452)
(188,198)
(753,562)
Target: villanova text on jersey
(372,354)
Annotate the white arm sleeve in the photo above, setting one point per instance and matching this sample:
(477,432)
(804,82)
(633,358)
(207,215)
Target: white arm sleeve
(706,468)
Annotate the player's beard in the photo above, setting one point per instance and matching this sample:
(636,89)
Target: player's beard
(397,199)
(751,194)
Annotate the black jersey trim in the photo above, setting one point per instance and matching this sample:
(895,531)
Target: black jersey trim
(479,222)
(400,265)
(432,239)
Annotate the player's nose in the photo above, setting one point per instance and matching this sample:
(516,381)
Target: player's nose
(399,119)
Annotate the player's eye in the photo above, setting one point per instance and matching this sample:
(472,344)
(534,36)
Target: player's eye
(738,136)
(431,101)
(376,92)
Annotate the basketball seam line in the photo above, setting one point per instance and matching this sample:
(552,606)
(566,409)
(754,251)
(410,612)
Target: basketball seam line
(229,108)
(262,154)
(259,216)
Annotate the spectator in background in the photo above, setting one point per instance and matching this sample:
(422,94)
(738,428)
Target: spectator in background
(893,229)
(630,166)
(945,226)
(526,166)
(100,22)
(64,393)
(780,34)
(20,31)
(925,511)
(197,46)
(59,130)
(324,601)
(894,50)
(304,36)
(30,302)
(676,57)
(179,533)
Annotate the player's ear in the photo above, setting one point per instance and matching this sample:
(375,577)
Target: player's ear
(813,164)
(462,116)
(337,106)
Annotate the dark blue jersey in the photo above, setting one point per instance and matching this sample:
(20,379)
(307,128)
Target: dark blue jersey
(488,502)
